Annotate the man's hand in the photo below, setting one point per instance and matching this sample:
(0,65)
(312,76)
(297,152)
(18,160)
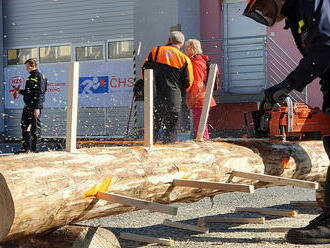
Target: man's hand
(277,93)
(36,113)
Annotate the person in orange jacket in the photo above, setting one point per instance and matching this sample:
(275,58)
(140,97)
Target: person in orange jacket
(195,97)
(173,77)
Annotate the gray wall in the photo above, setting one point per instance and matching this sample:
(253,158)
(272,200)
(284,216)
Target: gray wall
(35,22)
(154,18)
(189,18)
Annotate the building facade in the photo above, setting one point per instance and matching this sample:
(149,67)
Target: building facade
(103,35)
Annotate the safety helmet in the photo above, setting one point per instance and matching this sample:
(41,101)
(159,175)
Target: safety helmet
(257,14)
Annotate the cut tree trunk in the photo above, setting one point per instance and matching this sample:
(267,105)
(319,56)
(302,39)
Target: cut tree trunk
(71,236)
(40,192)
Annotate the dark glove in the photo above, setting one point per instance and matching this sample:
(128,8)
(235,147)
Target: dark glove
(277,93)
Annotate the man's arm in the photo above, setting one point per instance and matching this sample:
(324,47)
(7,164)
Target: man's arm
(39,92)
(310,67)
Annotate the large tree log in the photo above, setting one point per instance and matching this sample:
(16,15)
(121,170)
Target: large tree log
(72,236)
(43,191)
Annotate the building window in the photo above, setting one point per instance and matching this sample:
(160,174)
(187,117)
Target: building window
(120,49)
(89,53)
(53,54)
(19,56)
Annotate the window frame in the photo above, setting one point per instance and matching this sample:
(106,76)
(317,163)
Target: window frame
(17,48)
(56,45)
(114,40)
(74,53)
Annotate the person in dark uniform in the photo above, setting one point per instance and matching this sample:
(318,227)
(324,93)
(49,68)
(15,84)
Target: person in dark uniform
(34,97)
(309,22)
(173,76)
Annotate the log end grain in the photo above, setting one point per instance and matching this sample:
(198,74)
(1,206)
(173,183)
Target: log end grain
(7,211)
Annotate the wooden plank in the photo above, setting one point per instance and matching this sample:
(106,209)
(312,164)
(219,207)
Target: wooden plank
(304,203)
(183,226)
(269,211)
(146,239)
(214,185)
(260,220)
(207,102)
(148,107)
(277,180)
(129,201)
(72,107)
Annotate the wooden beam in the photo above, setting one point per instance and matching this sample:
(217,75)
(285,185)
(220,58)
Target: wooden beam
(146,239)
(277,180)
(129,201)
(269,211)
(207,102)
(183,226)
(304,203)
(260,220)
(148,107)
(214,185)
(72,107)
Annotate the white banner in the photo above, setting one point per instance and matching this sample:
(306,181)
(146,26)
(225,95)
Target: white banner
(101,84)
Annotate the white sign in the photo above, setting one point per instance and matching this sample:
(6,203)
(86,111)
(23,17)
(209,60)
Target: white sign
(101,84)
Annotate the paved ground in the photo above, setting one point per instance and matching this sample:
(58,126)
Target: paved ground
(220,235)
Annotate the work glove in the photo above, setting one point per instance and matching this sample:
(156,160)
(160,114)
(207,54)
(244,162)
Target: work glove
(276,94)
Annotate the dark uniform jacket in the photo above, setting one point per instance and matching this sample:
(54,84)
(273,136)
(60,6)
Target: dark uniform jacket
(34,92)
(309,21)
(173,74)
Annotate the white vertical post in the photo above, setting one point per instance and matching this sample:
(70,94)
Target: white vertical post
(207,102)
(148,107)
(72,107)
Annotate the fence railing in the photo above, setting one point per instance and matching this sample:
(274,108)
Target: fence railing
(250,64)
(279,65)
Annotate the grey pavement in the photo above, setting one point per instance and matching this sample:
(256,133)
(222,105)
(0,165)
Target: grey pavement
(221,235)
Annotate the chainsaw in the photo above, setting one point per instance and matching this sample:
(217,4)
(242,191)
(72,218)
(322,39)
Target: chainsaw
(293,120)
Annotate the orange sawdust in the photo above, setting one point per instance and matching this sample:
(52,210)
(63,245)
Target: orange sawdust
(285,162)
(185,170)
(102,187)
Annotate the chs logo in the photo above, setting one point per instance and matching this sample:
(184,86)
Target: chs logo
(93,85)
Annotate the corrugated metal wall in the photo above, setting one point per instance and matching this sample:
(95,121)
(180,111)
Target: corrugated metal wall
(49,22)
(34,22)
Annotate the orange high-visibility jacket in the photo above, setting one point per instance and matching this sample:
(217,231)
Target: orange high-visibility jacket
(173,74)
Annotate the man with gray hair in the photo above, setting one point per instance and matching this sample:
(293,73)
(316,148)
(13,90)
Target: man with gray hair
(176,37)
(173,76)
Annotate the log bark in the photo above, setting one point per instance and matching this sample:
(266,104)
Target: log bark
(71,236)
(47,190)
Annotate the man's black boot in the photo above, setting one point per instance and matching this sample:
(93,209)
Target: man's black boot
(316,232)
(277,93)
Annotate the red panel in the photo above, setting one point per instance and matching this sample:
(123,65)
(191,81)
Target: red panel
(230,116)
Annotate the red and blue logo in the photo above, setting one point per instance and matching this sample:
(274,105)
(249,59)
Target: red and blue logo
(93,85)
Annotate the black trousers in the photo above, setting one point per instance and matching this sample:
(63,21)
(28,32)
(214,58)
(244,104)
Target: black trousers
(167,118)
(31,130)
